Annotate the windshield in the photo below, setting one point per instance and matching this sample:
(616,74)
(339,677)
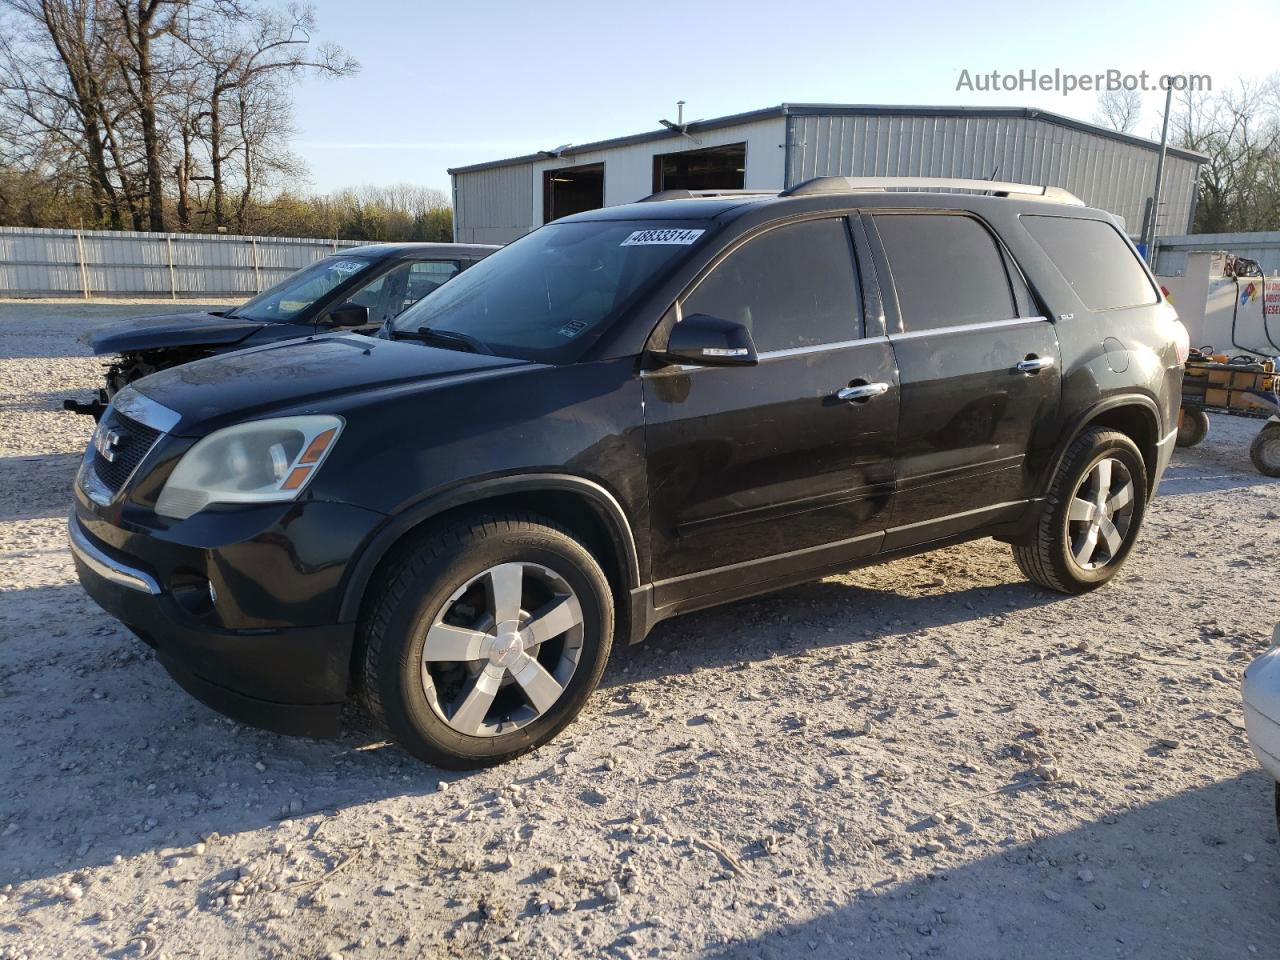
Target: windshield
(296,292)
(547,295)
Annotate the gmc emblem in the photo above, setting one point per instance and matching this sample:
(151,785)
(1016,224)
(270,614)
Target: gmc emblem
(106,442)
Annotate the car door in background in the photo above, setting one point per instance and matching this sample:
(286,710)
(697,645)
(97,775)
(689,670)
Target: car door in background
(751,463)
(979,373)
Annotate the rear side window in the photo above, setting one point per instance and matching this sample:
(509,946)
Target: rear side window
(1093,257)
(947,270)
(793,286)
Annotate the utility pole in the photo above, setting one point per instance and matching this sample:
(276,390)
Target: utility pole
(1155,195)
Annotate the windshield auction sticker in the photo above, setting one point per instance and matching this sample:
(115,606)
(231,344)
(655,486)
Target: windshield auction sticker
(347,266)
(651,238)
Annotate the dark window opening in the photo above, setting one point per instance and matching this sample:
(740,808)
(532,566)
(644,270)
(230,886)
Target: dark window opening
(793,286)
(1093,257)
(715,168)
(569,190)
(947,270)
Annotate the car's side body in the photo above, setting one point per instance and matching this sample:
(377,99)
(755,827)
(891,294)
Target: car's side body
(695,485)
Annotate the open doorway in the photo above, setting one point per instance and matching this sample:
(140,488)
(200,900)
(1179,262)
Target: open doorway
(711,168)
(568,190)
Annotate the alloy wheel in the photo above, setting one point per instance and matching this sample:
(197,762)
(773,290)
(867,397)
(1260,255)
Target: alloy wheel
(501,651)
(1100,514)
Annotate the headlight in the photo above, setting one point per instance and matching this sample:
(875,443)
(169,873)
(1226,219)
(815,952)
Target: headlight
(262,461)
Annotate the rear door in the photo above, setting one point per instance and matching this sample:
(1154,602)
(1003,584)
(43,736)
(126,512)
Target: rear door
(758,471)
(979,371)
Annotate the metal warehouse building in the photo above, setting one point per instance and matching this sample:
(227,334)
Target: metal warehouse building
(781,146)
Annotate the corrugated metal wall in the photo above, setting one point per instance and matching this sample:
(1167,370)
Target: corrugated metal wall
(104,263)
(497,205)
(1171,254)
(1105,173)
(500,204)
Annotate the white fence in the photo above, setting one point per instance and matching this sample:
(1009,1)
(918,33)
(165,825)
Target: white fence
(37,262)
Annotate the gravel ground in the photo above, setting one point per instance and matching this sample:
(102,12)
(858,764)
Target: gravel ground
(927,758)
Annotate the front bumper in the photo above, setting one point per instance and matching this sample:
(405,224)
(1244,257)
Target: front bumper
(1261,693)
(288,679)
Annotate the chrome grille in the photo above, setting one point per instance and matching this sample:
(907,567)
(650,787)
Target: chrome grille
(120,444)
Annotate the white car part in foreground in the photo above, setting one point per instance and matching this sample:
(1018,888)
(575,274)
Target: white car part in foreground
(1261,690)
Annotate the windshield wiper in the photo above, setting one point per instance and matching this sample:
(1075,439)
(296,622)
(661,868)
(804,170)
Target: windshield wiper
(449,339)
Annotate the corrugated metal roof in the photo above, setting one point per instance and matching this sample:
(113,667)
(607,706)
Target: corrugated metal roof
(841,109)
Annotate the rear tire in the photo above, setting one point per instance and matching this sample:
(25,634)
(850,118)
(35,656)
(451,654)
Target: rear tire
(1265,450)
(1192,428)
(455,661)
(1091,517)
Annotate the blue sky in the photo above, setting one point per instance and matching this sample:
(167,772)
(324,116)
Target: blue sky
(447,84)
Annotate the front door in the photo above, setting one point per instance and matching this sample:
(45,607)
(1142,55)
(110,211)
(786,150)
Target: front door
(757,471)
(979,371)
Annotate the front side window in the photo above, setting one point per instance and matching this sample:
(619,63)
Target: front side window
(947,270)
(1093,257)
(374,294)
(545,296)
(425,277)
(793,286)
(298,291)
(402,287)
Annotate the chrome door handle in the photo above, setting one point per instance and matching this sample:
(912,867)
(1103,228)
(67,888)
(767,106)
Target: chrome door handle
(1035,364)
(863,391)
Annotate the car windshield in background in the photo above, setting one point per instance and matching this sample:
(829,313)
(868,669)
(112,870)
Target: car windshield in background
(546,295)
(296,292)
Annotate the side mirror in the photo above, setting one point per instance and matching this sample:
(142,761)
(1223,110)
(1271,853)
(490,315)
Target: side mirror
(349,315)
(710,342)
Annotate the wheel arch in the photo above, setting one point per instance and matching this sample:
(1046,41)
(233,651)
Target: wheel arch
(580,504)
(1135,415)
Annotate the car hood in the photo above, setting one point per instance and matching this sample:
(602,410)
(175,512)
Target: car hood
(169,330)
(247,384)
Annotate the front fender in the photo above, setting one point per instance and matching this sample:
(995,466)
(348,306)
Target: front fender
(606,505)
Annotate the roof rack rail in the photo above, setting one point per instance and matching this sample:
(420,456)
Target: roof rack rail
(695,194)
(996,188)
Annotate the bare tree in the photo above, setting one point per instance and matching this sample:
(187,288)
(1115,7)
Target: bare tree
(140,23)
(1239,132)
(245,62)
(56,91)
(1119,109)
(147,104)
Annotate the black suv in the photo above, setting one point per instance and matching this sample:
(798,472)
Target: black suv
(625,415)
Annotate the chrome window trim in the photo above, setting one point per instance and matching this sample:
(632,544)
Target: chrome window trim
(818,348)
(104,566)
(767,355)
(967,328)
(142,409)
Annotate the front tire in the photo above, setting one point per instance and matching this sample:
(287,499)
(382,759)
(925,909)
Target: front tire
(1091,516)
(485,639)
(1265,450)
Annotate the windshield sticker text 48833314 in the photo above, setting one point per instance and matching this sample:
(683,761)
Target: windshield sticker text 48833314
(671,236)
